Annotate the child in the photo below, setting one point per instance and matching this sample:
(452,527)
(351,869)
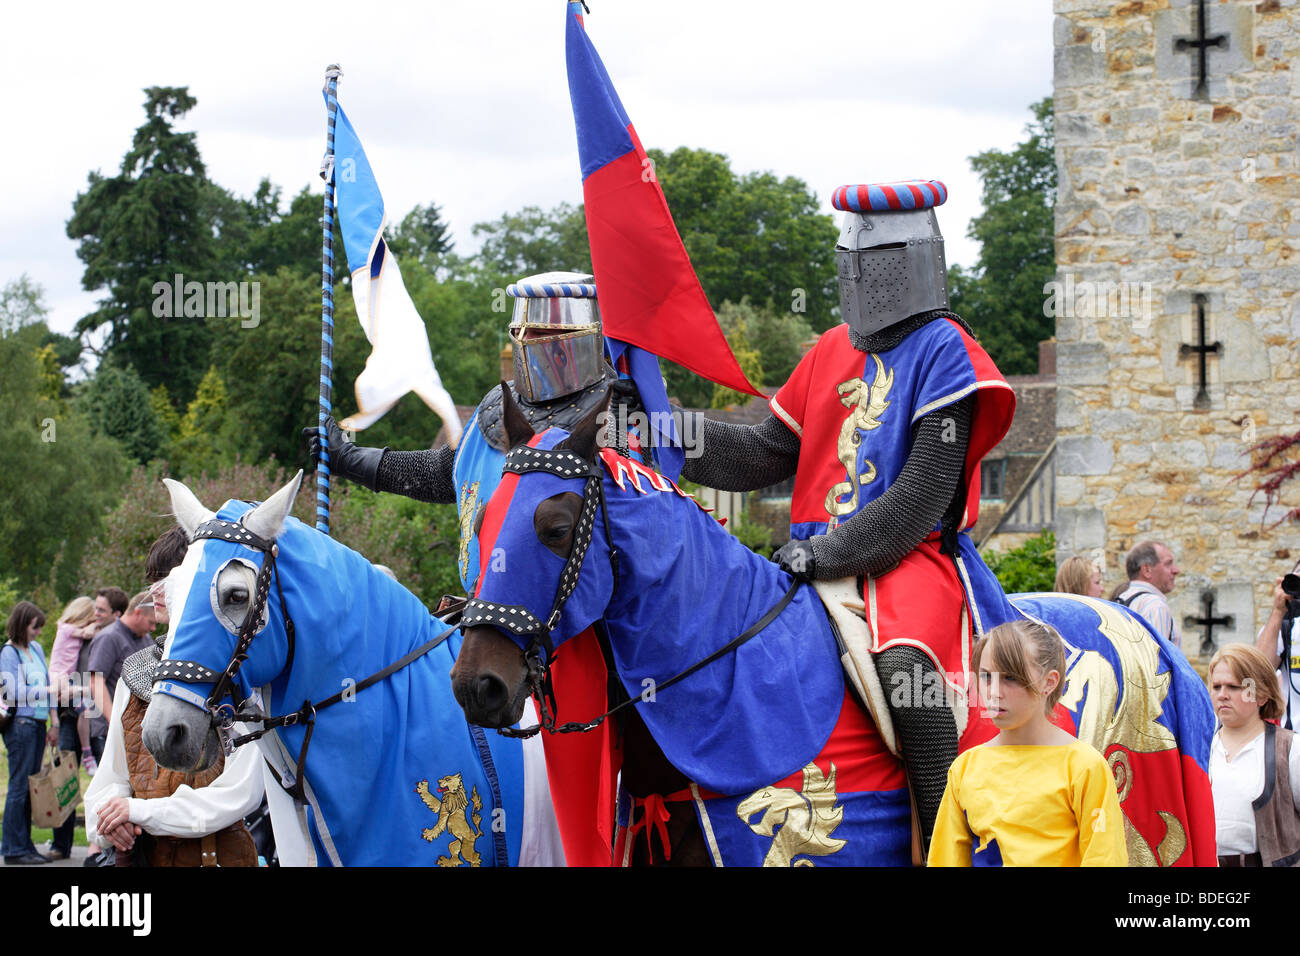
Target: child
(75,628)
(1033,795)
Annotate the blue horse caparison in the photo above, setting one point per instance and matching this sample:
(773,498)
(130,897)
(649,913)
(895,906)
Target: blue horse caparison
(786,768)
(394,775)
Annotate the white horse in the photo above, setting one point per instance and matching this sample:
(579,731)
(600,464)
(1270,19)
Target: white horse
(389,772)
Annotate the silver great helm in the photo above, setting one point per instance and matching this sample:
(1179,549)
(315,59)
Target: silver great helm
(558,347)
(890,253)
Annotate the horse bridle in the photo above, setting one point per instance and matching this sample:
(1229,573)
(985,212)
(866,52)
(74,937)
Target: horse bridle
(523,624)
(223,682)
(517,619)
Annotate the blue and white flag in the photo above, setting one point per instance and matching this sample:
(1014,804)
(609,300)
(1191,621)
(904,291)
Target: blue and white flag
(400,360)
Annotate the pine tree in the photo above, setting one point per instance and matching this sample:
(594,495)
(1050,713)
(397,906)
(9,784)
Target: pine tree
(146,225)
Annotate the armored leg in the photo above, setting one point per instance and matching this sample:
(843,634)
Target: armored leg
(927,731)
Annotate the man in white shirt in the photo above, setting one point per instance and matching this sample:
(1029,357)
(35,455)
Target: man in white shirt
(1279,641)
(116,817)
(195,819)
(1151,574)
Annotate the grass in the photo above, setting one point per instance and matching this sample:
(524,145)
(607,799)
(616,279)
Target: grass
(40,835)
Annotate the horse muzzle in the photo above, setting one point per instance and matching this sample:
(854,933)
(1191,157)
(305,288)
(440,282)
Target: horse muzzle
(489,679)
(179,736)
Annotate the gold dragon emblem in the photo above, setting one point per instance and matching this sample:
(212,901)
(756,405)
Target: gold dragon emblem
(1131,719)
(807,818)
(468,512)
(454,818)
(866,403)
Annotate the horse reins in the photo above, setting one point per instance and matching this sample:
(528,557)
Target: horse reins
(525,625)
(224,716)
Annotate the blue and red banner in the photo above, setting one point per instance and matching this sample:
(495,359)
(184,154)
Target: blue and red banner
(650,298)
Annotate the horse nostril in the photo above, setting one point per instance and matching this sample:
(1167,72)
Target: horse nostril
(489,693)
(175,740)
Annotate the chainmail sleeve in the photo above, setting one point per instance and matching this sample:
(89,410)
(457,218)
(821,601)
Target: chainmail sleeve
(881,534)
(741,457)
(422,475)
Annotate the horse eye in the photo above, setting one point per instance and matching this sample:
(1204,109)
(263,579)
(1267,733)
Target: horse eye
(237,596)
(556,534)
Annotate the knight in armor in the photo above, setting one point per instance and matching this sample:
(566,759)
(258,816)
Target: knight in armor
(883,424)
(560,374)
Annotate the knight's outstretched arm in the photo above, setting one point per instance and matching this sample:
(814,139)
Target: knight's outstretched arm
(423,475)
(741,457)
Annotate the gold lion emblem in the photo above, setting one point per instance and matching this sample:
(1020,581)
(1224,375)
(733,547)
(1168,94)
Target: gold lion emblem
(866,403)
(807,818)
(453,818)
(468,514)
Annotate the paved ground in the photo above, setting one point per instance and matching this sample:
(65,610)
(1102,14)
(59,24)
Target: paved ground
(78,857)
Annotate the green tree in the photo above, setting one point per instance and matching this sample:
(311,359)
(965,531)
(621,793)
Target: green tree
(1002,296)
(56,476)
(210,436)
(144,226)
(422,236)
(532,241)
(734,321)
(169,420)
(753,235)
(22,302)
(272,238)
(118,405)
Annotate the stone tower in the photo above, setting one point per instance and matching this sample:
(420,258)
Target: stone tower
(1177,295)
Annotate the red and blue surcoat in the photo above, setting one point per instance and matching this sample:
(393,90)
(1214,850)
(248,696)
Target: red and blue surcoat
(854,413)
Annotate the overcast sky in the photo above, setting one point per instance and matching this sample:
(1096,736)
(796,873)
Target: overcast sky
(467,105)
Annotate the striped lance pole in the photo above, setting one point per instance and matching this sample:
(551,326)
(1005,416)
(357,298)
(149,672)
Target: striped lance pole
(332,74)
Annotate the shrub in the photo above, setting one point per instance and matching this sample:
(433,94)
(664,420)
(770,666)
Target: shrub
(1030,567)
(417,540)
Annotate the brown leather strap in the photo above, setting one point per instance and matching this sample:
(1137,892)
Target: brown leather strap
(209,848)
(1241,859)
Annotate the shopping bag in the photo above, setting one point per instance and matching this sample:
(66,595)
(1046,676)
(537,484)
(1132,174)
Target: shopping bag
(55,790)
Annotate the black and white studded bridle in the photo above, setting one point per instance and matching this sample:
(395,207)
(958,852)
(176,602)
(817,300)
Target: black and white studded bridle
(517,619)
(223,682)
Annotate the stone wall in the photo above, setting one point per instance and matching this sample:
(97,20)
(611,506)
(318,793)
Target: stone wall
(1163,196)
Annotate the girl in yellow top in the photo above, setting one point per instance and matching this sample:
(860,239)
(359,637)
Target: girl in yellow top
(1033,795)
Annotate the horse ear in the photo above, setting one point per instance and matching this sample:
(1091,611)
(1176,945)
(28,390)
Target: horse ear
(584,440)
(518,431)
(187,508)
(267,519)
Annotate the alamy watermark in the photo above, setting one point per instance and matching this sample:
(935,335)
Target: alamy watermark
(208,300)
(74,691)
(653,429)
(1098,300)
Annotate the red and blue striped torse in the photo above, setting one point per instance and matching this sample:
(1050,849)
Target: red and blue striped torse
(650,297)
(883,197)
